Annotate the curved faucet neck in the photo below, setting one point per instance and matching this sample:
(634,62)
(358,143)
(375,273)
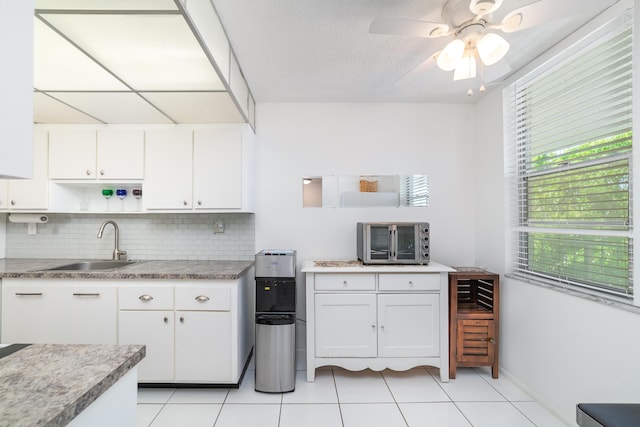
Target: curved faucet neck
(117,253)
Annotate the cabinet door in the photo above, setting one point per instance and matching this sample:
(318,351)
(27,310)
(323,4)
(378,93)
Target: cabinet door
(217,168)
(408,325)
(476,341)
(120,154)
(32,193)
(345,325)
(87,315)
(4,194)
(72,154)
(154,329)
(27,314)
(168,169)
(203,346)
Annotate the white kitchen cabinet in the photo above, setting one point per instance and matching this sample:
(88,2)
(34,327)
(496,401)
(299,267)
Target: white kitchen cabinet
(30,194)
(198,332)
(4,194)
(349,327)
(90,154)
(369,325)
(202,169)
(59,311)
(154,329)
(168,182)
(146,317)
(72,153)
(408,325)
(217,168)
(16,102)
(379,317)
(120,154)
(203,340)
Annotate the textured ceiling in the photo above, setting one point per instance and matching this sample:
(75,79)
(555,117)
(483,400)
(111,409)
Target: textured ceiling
(321,50)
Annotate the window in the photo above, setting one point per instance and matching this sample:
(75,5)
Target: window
(414,190)
(570,129)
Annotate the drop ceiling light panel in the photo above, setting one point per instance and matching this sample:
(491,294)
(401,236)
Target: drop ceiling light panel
(113,107)
(148,52)
(58,65)
(196,107)
(106,4)
(48,110)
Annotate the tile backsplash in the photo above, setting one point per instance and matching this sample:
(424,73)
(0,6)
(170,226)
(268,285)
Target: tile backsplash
(145,237)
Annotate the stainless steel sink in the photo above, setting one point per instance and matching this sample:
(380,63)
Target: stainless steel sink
(94,265)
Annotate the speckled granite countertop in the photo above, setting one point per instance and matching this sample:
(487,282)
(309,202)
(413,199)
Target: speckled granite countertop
(180,270)
(50,384)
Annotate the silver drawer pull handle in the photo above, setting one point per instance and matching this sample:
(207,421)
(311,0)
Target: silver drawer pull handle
(411,282)
(29,294)
(145,298)
(344,282)
(202,298)
(166,320)
(80,294)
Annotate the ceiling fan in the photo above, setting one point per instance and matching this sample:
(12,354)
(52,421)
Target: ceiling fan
(476,35)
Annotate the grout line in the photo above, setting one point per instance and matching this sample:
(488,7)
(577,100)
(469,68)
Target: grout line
(394,398)
(335,387)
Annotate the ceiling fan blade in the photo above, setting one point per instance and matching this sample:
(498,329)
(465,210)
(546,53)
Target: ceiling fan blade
(408,27)
(419,69)
(541,12)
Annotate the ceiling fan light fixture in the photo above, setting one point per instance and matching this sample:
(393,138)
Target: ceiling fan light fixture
(492,48)
(451,55)
(466,68)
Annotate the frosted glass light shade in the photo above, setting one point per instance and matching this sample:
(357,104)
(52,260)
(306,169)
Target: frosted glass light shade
(492,48)
(451,55)
(466,68)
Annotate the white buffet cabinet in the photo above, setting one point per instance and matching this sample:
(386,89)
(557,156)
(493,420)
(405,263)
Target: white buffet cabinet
(195,331)
(376,317)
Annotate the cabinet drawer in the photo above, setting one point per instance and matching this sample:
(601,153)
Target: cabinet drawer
(203,298)
(409,282)
(145,298)
(345,282)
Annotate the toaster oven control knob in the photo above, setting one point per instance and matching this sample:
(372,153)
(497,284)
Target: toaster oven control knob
(425,247)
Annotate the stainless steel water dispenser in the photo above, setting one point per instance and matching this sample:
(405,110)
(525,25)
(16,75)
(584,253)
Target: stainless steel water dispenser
(275,320)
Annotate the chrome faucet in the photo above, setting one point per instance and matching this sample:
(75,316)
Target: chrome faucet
(117,253)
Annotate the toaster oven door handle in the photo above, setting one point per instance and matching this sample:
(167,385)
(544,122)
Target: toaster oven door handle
(393,243)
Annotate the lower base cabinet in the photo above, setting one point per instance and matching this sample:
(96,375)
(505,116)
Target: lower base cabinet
(195,331)
(378,317)
(384,325)
(154,329)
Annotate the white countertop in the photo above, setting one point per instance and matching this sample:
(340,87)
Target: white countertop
(354,266)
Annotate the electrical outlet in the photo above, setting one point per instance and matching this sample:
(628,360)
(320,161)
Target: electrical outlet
(218,227)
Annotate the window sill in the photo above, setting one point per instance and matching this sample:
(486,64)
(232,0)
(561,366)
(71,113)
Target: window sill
(593,296)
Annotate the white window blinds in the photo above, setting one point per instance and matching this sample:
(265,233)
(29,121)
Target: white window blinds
(414,190)
(571,137)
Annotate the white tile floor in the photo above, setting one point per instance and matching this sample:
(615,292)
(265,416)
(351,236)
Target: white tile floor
(340,398)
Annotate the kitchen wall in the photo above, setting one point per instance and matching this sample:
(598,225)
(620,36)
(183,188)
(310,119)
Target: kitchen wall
(149,236)
(561,348)
(296,140)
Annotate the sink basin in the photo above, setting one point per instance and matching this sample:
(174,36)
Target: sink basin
(92,265)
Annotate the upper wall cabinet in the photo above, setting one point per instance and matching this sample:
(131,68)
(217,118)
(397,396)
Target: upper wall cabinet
(108,154)
(217,168)
(168,169)
(204,169)
(16,102)
(29,194)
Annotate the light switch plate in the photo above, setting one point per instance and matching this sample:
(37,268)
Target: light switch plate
(218,227)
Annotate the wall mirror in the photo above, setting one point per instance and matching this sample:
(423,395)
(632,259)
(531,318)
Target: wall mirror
(365,191)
